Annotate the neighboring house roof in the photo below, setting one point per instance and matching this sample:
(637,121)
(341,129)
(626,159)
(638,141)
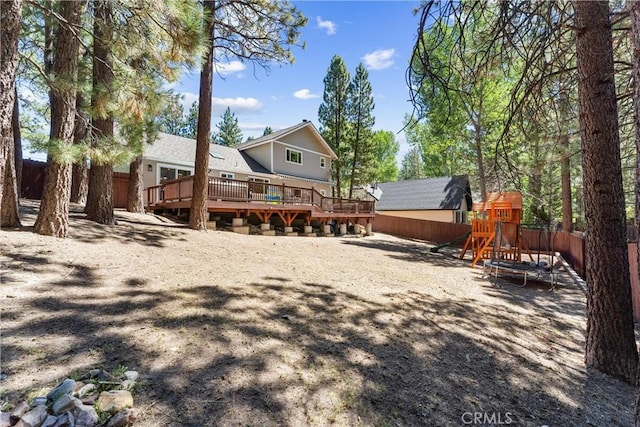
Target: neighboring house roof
(275,136)
(442,193)
(178,150)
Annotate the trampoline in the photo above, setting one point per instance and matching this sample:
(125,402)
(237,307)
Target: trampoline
(525,270)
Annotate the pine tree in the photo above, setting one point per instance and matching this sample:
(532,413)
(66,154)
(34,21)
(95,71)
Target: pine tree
(360,107)
(99,206)
(11,13)
(333,117)
(229,133)
(191,122)
(171,117)
(259,32)
(411,167)
(610,342)
(198,214)
(53,217)
(267,131)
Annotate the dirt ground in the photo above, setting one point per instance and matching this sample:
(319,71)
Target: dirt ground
(229,329)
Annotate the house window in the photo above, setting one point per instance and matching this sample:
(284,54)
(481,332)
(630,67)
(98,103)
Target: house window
(461,217)
(167,174)
(294,156)
(257,188)
(323,162)
(228,175)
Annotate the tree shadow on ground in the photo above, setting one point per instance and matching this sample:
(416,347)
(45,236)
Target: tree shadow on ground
(129,228)
(408,250)
(281,352)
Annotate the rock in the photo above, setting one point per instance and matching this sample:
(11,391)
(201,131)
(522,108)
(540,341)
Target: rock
(101,375)
(131,375)
(33,418)
(50,421)
(90,399)
(114,400)
(86,390)
(123,418)
(65,420)
(128,385)
(18,412)
(40,400)
(65,404)
(85,416)
(66,387)
(5,419)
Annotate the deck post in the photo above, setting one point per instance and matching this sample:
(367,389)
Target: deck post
(343,228)
(368,229)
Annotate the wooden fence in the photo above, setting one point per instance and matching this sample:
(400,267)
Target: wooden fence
(570,245)
(33,182)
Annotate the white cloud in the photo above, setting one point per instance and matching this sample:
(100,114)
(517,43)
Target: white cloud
(226,68)
(305,94)
(238,105)
(326,25)
(250,126)
(188,98)
(380,59)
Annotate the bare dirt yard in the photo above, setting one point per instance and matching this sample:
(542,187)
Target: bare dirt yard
(230,329)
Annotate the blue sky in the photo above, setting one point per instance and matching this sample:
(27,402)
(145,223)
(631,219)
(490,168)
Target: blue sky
(380,34)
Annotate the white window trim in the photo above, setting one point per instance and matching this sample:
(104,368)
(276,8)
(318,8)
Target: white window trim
(286,156)
(171,166)
(263,180)
(323,162)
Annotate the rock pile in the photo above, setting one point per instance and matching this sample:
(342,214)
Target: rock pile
(98,398)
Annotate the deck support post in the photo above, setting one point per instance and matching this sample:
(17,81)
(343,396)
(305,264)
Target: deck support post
(343,228)
(369,229)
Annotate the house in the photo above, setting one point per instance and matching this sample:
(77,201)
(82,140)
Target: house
(297,156)
(444,199)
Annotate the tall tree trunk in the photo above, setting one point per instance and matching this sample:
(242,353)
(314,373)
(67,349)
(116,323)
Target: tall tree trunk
(53,218)
(11,15)
(100,197)
(135,200)
(635,30)
(80,173)
(565,163)
(17,143)
(565,180)
(610,344)
(354,161)
(198,216)
(477,144)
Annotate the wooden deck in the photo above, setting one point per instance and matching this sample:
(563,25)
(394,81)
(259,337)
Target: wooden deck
(244,198)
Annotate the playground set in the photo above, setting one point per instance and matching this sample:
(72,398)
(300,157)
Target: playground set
(496,239)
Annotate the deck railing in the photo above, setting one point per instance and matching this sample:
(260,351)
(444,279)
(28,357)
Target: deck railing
(223,189)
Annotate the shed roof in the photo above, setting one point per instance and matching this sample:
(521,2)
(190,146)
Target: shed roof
(441,193)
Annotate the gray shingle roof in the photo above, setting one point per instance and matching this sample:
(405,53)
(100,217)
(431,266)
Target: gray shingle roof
(442,193)
(176,149)
(274,136)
